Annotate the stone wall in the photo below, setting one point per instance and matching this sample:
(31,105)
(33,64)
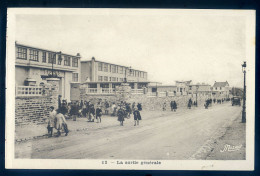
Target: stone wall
(149,103)
(35,110)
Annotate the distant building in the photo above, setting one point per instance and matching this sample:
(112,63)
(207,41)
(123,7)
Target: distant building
(221,89)
(183,87)
(103,77)
(200,89)
(33,65)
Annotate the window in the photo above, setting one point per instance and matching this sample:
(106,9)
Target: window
(121,70)
(113,78)
(75,62)
(106,67)
(52,58)
(216,88)
(100,78)
(75,77)
(21,53)
(33,55)
(105,78)
(113,69)
(121,79)
(44,56)
(100,66)
(136,73)
(117,69)
(220,88)
(66,60)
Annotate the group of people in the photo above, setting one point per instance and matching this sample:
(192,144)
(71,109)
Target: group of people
(173,106)
(57,121)
(125,110)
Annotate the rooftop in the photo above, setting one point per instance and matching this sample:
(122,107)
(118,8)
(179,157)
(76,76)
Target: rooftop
(93,58)
(220,84)
(28,46)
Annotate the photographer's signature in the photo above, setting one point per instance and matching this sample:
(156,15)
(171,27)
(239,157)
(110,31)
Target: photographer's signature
(231,148)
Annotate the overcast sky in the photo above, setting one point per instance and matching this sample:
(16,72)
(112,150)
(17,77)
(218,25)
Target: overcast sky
(202,48)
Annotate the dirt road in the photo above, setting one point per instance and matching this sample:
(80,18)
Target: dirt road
(175,136)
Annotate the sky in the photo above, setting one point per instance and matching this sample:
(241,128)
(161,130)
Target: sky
(202,48)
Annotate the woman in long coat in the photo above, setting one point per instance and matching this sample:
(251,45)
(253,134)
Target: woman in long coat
(137,116)
(51,121)
(61,123)
(121,116)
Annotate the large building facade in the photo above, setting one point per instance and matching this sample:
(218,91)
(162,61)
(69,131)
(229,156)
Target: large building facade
(34,65)
(103,77)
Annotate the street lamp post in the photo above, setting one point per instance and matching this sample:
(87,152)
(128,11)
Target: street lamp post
(244,95)
(197,87)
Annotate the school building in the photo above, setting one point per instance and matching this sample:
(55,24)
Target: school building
(34,66)
(100,77)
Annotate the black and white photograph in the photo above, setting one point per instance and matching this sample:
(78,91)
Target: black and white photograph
(154,89)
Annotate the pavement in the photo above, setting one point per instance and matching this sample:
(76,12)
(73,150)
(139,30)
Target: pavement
(29,132)
(161,135)
(232,145)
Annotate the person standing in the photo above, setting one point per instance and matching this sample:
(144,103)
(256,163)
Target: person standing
(61,123)
(174,106)
(113,107)
(51,121)
(164,106)
(171,104)
(91,113)
(139,106)
(120,115)
(74,111)
(98,114)
(137,116)
(133,105)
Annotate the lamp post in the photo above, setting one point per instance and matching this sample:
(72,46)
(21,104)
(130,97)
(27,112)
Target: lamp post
(244,95)
(197,87)
(53,56)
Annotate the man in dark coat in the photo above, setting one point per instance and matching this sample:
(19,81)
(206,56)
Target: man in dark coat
(137,117)
(128,109)
(174,106)
(98,114)
(171,104)
(74,112)
(139,106)
(121,116)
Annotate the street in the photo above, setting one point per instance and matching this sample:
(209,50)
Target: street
(175,136)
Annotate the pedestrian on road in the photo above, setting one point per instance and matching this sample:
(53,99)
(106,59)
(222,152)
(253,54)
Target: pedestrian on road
(171,104)
(164,106)
(51,121)
(133,105)
(106,107)
(61,124)
(137,116)
(121,115)
(139,106)
(98,114)
(174,106)
(74,112)
(91,113)
(113,107)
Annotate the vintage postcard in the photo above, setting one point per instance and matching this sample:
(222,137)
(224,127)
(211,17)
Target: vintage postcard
(145,89)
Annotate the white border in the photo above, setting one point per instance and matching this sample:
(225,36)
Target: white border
(11,162)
